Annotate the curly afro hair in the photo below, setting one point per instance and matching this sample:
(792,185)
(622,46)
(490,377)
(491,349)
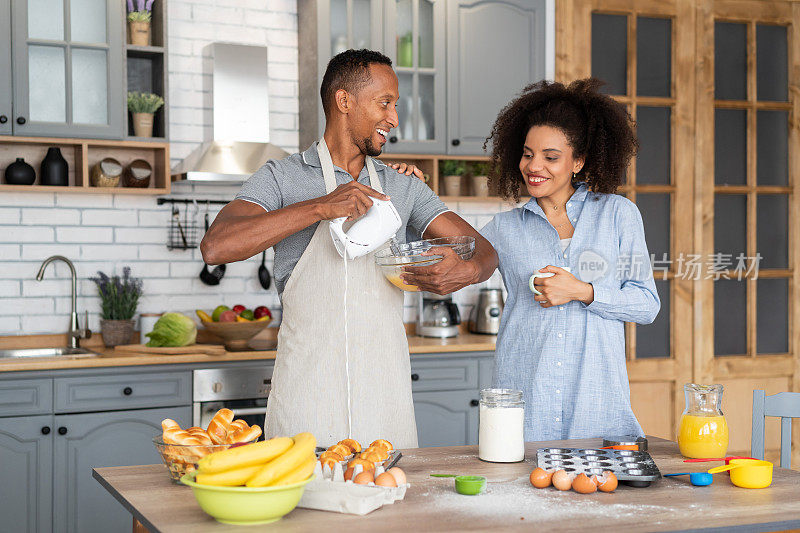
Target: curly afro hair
(348,70)
(598,129)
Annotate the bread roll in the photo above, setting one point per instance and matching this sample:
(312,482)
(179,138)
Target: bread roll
(219,426)
(244,435)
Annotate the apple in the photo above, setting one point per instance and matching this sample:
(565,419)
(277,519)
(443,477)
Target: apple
(227,316)
(238,309)
(261,311)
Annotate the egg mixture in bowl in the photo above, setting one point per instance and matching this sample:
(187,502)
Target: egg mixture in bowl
(392,260)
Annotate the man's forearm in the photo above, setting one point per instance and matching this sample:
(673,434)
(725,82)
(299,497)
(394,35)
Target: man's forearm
(237,237)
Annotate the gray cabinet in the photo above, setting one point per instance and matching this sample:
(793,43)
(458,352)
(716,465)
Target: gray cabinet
(92,440)
(67,68)
(26,468)
(5,68)
(447,418)
(415,41)
(482,77)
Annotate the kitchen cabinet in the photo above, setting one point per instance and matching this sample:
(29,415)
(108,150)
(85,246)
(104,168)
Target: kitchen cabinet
(415,41)
(91,440)
(5,67)
(449,59)
(67,68)
(46,460)
(481,78)
(26,468)
(447,418)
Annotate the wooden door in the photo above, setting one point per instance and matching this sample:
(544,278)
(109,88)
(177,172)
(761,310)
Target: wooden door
(723,77)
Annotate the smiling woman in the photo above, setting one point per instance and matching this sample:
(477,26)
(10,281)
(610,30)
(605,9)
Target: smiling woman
(562,342)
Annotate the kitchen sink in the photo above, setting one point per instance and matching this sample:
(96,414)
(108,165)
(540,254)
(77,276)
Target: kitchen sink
(47,352)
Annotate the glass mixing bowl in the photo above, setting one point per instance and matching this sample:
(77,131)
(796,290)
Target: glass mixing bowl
(392,262)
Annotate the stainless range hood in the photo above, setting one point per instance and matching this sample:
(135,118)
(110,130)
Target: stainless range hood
(240,101)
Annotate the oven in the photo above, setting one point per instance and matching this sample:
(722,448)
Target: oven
(242,389)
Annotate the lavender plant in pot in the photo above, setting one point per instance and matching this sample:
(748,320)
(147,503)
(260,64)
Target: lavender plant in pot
(139,18)
(142,107)
(119,298)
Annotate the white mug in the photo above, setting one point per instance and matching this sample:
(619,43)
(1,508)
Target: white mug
(542,275)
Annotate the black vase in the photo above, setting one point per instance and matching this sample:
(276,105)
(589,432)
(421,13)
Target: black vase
(20,173)
(54,168)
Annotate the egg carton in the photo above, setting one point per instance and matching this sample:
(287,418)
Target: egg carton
(634,468)
(330,492)
(347,459)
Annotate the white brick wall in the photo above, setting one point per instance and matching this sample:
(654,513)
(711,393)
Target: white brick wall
(109,232)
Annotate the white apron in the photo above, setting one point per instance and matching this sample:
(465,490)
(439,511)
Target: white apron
(309,384)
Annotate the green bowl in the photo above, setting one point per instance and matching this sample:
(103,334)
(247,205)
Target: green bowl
(470,485)
(245,505)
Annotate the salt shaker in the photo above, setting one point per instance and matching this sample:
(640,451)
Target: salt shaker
(502,419)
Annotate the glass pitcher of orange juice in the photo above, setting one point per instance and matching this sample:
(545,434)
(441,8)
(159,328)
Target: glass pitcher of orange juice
(703,431)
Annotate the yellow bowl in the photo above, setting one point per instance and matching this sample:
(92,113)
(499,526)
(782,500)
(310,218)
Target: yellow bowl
(236,334)
(751,474)
(245,505)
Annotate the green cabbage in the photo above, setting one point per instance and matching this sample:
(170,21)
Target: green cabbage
(173,329)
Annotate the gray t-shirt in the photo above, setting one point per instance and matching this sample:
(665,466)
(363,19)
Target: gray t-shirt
(298,178)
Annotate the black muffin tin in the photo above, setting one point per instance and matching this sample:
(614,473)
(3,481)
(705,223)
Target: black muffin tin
(634,468)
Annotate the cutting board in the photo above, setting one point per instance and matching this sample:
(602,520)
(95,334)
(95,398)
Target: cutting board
(208,349)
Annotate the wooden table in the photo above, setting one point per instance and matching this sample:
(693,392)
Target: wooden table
(509,502)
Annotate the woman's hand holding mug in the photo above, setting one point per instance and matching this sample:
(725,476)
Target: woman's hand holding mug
(554,285)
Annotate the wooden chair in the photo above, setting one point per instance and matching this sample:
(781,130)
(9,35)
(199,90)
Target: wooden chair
(785,405)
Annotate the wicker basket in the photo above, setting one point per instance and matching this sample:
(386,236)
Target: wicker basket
(116,332)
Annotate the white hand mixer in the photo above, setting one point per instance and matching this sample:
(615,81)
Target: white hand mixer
(369,232)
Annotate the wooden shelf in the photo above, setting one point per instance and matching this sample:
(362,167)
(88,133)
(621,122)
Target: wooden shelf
(81,155)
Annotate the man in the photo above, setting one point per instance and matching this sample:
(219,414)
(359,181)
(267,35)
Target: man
(343,368)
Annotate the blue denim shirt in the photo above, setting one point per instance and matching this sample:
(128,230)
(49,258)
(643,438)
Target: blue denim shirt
(569,360)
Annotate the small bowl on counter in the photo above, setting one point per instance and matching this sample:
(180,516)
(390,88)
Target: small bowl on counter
(392,262)
(181,459)
(236,335)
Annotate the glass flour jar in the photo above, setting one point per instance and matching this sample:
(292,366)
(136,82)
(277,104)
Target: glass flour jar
(502,420)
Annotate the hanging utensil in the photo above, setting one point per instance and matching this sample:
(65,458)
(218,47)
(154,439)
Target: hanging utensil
(211,277)
(176,216)
(263,273)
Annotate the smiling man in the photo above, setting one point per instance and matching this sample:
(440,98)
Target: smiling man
(343,368)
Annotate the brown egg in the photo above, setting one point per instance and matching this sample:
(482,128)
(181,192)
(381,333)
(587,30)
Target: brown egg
(607,482)
(399,475)
(562,480)
(364,477)
(583,484)
(541,478)
(348,474)
(386,480)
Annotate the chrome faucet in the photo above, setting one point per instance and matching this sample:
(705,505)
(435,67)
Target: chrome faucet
(75,333)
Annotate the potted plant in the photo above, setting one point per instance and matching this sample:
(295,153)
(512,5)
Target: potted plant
(142,107)
(119,297)
(480,178)
(139,22)
(452,169)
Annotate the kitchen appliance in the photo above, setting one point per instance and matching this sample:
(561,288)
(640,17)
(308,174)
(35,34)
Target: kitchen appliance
(437,316)
(240,107)
(242,388)
(485,318)
(368,232)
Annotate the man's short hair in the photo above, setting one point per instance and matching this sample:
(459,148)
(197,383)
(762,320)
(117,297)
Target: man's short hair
(348,70)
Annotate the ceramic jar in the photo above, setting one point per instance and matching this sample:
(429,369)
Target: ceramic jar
(55,170)
(20,173)
(137,174)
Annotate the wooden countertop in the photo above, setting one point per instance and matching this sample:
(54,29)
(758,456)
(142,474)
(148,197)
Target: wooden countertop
(263,349)
(509,502)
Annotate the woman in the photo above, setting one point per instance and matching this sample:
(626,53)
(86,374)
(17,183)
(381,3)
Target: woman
(565,348)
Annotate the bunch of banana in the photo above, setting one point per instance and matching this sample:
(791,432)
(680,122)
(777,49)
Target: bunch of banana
(271,463)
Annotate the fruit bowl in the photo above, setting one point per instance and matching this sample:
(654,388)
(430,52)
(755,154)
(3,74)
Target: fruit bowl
(392,263)
(246,505)
(236,334)
(182,459)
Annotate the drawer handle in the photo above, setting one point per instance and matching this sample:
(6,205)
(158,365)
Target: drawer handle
(414,377)
(455,142)
(62,430)
(3,119)
(127,391)
(21,120)
(474,403)
(46,430)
